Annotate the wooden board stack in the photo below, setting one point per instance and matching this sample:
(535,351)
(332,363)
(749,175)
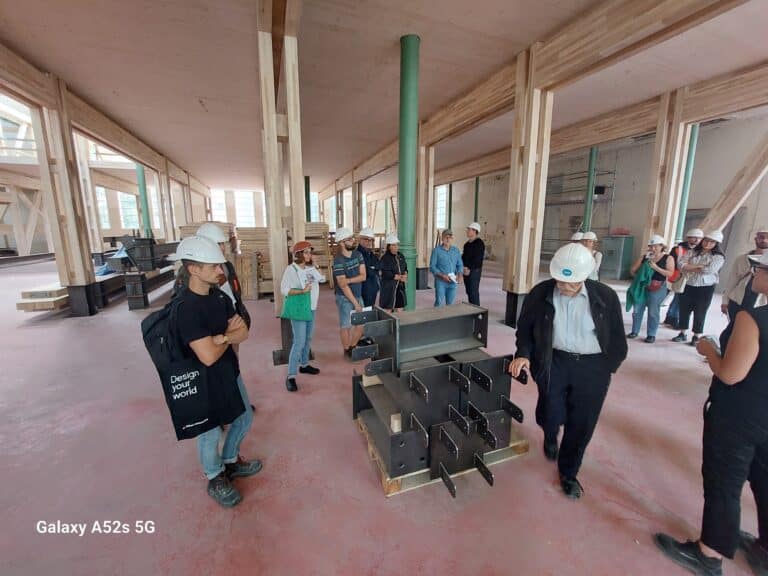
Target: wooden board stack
(256,241)
(228,229)
(317,234)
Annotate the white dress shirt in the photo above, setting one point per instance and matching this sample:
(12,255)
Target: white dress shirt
(574,328)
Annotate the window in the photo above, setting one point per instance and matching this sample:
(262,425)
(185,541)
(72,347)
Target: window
(347,207)
(330,213)
(103,208)
(441,207)
(154,198)
(219,205)
(245,211)
(129,211)
(314,207)
(364,210)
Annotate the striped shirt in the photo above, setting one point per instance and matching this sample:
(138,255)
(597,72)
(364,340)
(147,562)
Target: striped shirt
(709,275)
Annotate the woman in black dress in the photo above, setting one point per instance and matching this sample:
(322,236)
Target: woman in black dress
(394,275)
(735,442)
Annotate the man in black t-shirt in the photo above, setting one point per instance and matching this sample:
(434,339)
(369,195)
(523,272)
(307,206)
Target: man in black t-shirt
(208,327)
(472,258)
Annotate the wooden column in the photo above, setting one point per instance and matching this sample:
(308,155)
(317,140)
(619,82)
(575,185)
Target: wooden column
(89,195)
(527,186)
(740,187)
(293,112)
(62,197)
(231,206)
(166,202)
(273,189)
(669,158)
(357,206)
(425,212)
(19,235)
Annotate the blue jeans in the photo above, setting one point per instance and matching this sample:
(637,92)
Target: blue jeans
(673,312)
(653,302)
(302,339)
(208,442)
(445,292)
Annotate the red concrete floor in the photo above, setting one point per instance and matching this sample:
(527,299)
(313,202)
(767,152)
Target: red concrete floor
(86,436)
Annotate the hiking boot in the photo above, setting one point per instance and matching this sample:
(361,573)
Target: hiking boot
(632,335)
(680,337)
(650,339)
(309,369)
(290,384)
(221,490)
(757,556)
(688,555)
(242,468)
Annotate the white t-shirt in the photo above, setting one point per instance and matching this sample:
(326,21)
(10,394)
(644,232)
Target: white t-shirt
(296,278)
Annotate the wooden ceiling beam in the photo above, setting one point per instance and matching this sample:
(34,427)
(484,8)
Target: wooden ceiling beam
(24,80)
(11,178)
(726,94)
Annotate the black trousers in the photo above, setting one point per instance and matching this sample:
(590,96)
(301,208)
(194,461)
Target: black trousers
(573,398)
(369,294)
(695,299)
(472,283)
(735,450)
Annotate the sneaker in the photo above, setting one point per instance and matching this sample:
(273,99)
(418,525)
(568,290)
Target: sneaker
(650,339)
(688,555)
(680,337)
(694,341)
(290,384)
(242,468)
(309,369)
(757,556)
(632,335)
(550,450)
(221,490)
(571,487)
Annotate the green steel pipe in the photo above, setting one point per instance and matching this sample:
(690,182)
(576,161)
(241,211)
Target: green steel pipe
(146,219)
(589,197)
(409,139)
(449,208)
(687,182)
(477,196)
(307,200)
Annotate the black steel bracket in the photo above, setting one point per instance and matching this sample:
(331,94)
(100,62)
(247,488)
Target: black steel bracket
(482,425)
(363,352)
(480,378)
(463,424)
(448,442)
(379,366)
(459,379)
(511,408)
(447,480)
(418,386)
(364,317)
(416,424)
(485,472)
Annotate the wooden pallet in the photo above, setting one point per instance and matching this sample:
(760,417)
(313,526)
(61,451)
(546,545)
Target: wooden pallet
(42,304)
(518,445)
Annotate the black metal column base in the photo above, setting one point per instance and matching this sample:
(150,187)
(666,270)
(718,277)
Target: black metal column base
(83,299)
(514,305)
(280,357)
(422,278)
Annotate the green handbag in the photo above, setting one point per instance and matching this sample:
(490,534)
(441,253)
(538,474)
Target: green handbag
(297,307)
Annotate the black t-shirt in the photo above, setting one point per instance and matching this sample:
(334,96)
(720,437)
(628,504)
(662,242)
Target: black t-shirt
(662,263)
(201,316)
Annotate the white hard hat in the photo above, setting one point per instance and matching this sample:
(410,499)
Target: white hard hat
(589,236)
(715,235)
(475,226)
(577,236)
(762,230)
(212,232)
(198,249)
(393,239)
(695,233)
(343,234)
(572,263)
(656,239)
(367,233)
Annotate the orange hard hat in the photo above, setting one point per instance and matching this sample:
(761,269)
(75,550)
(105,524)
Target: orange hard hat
(301,246)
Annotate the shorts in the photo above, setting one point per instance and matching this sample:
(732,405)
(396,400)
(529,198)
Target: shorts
(345,310)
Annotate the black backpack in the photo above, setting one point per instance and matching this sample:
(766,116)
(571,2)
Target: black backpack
(184,377)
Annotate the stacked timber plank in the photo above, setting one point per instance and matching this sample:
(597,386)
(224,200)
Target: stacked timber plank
(226,227)
(254,255)
(44,298)
(317,234)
